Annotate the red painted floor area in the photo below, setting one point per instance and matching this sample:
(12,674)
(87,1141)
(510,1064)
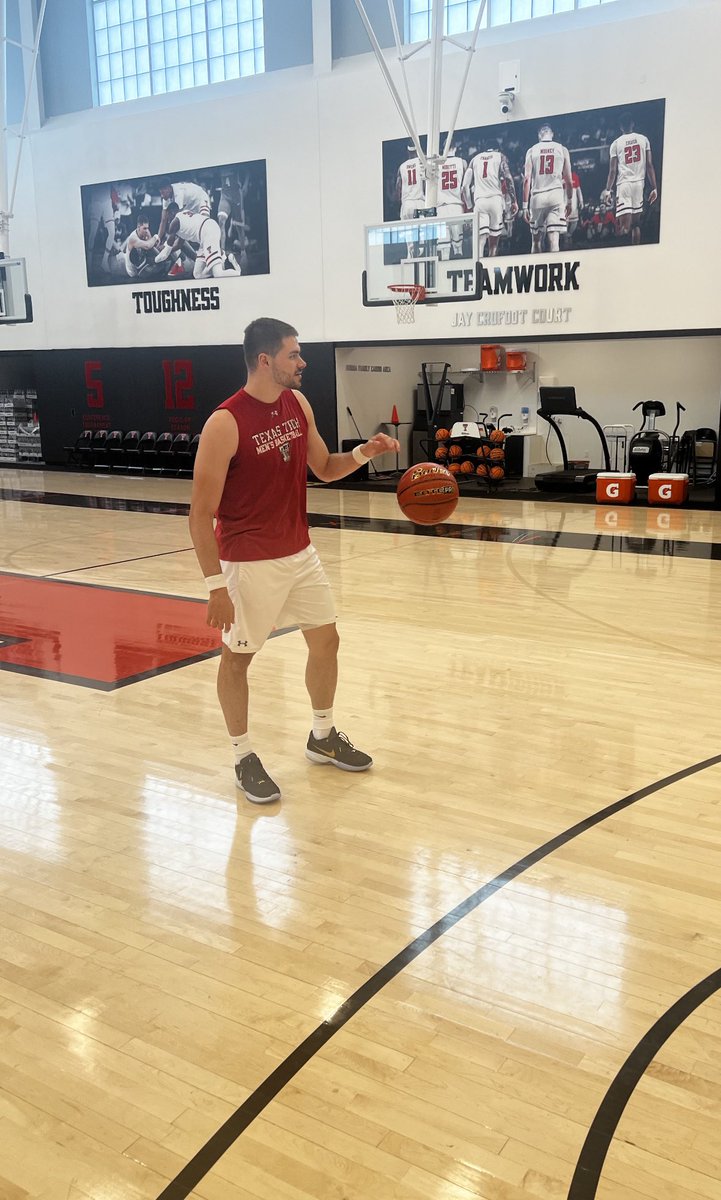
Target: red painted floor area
(97,636)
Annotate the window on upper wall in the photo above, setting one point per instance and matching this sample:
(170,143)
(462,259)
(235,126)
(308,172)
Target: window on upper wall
(147,47)
(461,15)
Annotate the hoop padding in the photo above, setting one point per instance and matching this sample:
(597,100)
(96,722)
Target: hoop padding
(405,296)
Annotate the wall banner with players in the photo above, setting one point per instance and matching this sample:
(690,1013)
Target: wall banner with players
(566,182)
(206,223)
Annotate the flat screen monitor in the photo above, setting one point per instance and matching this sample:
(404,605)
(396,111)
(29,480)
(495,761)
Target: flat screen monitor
(451,399)
(558,401)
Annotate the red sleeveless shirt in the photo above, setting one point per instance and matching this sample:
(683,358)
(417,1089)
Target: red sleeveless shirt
(262,512)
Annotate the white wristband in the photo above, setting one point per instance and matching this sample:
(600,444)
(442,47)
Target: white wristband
(359,456)
(213,582)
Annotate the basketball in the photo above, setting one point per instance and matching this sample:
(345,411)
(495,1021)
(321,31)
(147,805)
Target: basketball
(498,435)
(497,472)
(454,468)
(497,454)
(481,469)
(442,435)
(442,452)
(456,452)
(467,468)
(427,493)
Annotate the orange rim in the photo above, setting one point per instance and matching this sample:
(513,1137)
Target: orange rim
(414,291)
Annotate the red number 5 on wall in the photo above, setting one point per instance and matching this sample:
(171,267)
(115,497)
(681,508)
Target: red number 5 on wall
(94,384)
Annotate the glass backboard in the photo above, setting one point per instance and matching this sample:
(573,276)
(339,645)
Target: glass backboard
(15,305)
(437,253)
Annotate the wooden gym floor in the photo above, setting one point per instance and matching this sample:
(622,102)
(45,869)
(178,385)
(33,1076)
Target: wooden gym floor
(489,967)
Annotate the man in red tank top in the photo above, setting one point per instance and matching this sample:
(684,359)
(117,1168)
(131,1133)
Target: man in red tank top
(259,565)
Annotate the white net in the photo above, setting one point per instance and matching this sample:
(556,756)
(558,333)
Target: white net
(405,300)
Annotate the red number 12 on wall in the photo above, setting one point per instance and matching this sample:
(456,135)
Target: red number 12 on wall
(178,375)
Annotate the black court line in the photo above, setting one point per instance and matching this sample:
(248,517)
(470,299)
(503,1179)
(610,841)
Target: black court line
(99,685)
(116,562)
(115,685)
(107,503)
(660,546)
(102,587)
(213,1150)
(7,640)
(587,1174)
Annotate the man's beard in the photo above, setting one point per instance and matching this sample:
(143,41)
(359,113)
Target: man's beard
(289,380)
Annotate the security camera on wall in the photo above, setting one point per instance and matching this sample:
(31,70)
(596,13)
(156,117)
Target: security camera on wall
(507,99)
(509,86)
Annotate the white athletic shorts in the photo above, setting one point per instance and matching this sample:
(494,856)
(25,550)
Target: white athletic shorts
(445,211)
(275,593)
(629,198)
(489,214)
(409,209)
(548,211)
(209,254)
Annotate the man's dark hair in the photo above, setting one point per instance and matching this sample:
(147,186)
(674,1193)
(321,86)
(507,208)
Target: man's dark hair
(143,217)
(173,209)
(627,123)
(265,336)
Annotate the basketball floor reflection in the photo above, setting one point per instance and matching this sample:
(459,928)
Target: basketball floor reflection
(98,637)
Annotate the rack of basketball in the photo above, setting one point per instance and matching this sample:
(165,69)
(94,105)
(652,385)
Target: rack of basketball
(481,458)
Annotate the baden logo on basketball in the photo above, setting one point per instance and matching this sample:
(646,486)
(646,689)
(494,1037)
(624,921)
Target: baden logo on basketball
(427,494)
(426,469)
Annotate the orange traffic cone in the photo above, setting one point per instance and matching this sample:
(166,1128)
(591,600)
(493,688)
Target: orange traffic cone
(395,420)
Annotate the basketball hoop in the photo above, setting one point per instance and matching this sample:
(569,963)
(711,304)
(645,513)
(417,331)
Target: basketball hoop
(405,296)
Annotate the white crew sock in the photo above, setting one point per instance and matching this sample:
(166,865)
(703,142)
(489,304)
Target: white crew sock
(241,746)
(322,722)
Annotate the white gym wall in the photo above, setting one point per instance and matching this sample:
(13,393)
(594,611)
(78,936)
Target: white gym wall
(321,137)
(321,134)
(610,377)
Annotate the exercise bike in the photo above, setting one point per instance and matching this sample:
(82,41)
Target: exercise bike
(652,450)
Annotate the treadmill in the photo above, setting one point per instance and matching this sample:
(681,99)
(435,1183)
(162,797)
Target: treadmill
(557,402)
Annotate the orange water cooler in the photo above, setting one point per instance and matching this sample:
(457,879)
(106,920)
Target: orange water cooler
(667,489)
(615,487)
(491,358)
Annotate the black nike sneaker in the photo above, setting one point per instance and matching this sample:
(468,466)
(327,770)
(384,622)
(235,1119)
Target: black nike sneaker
(337,750)
(253,779)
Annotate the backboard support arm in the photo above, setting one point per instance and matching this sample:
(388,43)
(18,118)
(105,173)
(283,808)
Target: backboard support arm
(432,160)
(397,99)
(7,204)
(469,52)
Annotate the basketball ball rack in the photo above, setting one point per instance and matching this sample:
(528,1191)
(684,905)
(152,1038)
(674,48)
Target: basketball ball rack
(479,452)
